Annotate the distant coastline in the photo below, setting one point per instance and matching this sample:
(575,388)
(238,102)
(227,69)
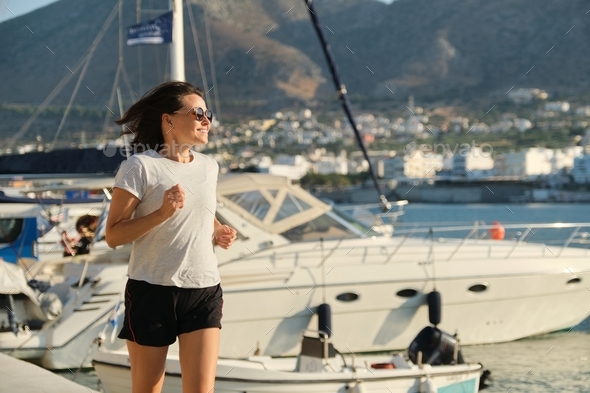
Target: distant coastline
(458,191)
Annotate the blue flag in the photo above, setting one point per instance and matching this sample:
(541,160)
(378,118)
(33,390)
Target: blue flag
(155,31)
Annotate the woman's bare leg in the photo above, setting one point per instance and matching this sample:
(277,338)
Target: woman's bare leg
(198,359)
(148,365)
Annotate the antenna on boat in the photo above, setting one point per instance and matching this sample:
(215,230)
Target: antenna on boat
(341,89)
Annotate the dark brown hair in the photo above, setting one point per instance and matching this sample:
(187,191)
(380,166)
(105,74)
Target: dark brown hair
(85,221)
(143,119)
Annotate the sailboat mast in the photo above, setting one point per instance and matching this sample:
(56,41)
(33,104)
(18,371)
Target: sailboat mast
(177,48)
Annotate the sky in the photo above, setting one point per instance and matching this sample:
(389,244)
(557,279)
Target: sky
(11,8)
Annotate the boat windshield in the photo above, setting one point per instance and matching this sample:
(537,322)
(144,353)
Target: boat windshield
(352,221)
(10,228)
(324,227)
(331,225)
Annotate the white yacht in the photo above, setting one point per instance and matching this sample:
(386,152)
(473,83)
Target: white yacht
(295,252)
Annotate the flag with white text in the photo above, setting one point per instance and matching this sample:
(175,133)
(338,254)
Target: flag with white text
(155,31)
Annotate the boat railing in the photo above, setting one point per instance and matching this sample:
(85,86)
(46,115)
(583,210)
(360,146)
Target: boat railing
(387,223)
(515,235)
(518,233)
(456,237)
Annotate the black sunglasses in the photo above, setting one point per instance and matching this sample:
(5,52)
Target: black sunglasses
(200,113)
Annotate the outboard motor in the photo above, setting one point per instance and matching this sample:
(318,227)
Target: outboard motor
(437,347)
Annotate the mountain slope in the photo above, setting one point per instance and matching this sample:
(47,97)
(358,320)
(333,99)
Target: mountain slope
(268,57)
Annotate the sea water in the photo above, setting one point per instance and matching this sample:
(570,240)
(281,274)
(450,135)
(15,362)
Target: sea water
(556,362)
(552,363)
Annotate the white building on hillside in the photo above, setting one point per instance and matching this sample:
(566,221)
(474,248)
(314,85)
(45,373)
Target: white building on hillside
(263,163)
(473,162)
(522,124)
(293,167)
(564,158)
(331,164)
(412,166)
(533,161)
(557,106)
(583,111)
(525,95)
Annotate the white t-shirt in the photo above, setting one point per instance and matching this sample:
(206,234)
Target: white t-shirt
(179,252)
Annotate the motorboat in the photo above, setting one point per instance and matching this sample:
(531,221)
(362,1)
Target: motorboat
(295,252)
(55,324)
(35,221)
(321,368)
(53,307)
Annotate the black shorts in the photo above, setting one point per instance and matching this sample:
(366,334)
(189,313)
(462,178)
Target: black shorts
(156,314)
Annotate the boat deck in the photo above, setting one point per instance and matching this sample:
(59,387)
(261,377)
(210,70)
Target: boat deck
(20,376)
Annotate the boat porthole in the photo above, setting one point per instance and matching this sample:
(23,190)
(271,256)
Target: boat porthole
(575,280)
(410,292)
(348,297)
(477,288)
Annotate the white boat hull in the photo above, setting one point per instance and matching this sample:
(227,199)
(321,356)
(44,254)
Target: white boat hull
(68,341)
(523,296)
(266,375)
(492,290)
(266,308)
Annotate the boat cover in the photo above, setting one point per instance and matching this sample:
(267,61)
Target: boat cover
(13,281)
(88,160)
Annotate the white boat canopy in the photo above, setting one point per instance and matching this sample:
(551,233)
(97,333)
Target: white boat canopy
(13,281)
(268,201)
(19,210)
(76,184)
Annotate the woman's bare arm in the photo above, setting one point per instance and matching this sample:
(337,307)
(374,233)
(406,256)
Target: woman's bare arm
(122,229)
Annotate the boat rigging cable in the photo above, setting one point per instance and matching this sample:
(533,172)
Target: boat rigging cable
(82,73)
(211,62)
(385,205)
(25,127)
(121,72)
(191,18)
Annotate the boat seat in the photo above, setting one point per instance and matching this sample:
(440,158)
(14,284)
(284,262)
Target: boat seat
(314,350)
(316,347)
